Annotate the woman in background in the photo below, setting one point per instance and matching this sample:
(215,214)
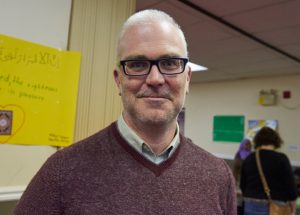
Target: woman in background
(277,170)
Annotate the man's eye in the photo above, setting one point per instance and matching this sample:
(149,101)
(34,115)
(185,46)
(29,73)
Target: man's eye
(172,63)
(137,65)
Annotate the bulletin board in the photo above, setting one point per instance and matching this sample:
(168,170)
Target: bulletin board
(38,91)
(228,128)
(254,125)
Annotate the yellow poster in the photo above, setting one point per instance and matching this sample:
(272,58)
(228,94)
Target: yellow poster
(38,93)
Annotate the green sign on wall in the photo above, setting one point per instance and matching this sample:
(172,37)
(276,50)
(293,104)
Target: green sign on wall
(228,128)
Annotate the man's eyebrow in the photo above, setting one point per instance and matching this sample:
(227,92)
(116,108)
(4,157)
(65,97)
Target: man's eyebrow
(136,57)
(143,57)
(169,56)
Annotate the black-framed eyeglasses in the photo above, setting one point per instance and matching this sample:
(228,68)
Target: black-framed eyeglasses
(166,66)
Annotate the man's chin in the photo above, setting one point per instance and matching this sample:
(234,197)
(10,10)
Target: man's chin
(157,118)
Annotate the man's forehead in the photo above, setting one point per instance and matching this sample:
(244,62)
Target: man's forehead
(140,40)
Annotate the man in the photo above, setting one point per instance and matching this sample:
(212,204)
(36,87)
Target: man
(140,164)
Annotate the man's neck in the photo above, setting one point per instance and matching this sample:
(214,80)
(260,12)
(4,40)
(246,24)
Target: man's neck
(157,137)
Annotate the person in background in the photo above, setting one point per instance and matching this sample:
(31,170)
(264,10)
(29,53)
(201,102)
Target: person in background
(140,164)
(277,170)
(243,152)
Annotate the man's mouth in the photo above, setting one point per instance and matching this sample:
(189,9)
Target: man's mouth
(154,96)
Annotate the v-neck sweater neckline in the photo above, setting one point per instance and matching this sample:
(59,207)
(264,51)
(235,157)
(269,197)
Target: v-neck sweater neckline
(157,169)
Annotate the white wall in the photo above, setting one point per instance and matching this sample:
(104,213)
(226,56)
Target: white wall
(41,21)
(45,22)
(241,98)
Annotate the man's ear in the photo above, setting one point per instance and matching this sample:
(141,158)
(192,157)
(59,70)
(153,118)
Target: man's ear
(118,80)
(188,79)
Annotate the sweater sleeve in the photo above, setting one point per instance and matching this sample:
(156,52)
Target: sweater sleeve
(42,196)
(231,194)
(289,181)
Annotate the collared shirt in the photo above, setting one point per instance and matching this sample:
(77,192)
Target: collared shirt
(143,148)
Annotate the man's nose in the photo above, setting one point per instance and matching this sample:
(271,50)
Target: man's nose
(155,77)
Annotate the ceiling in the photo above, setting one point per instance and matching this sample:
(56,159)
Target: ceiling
(237,39)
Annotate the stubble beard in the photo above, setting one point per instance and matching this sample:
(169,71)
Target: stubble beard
(150,117)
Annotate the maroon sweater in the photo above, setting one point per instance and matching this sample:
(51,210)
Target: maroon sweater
(104,175)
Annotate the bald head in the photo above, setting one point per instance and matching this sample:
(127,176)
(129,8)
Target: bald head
(150,17)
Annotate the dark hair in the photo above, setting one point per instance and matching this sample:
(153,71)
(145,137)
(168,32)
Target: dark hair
(267,136)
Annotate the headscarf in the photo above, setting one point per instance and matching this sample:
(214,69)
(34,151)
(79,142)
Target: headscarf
(244,149)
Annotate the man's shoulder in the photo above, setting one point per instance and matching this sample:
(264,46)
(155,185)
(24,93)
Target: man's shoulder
(202,157)
(198,150)
(95,138)
(88,146)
